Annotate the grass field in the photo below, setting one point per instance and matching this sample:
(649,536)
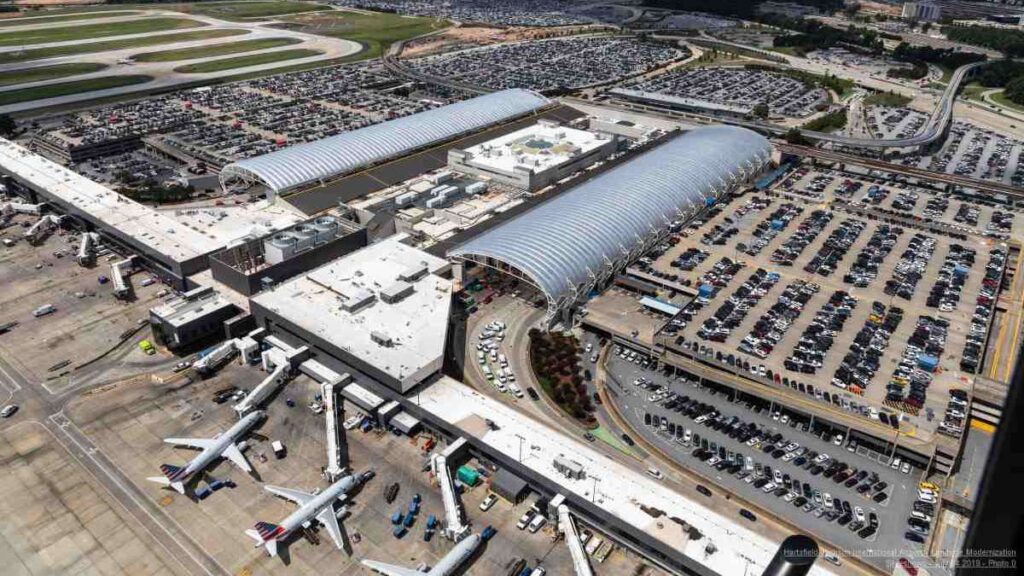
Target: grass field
(243,10)
(42,18)
(886,99)
(88,31)
(375,30)
(1002,100)
(243,61)
(65,88)
(215,50)
(90,47)
(47,73)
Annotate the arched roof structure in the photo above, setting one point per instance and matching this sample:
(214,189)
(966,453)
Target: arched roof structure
(317,161)
(570,244)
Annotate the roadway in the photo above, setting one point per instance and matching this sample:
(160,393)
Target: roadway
(631,403)
(911,171)
(519,316)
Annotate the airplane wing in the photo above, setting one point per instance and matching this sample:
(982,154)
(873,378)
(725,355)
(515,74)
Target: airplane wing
(297,496)
(199,443)
(235,455)
(390,569)
(328,518)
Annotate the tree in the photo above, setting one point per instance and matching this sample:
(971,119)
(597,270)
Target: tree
(793,136)
(7,125)
(761,111)
(1015,90)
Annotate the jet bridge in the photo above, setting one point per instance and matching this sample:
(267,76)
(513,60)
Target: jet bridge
(276,379)
(579,556)
(455,527)
(119,272)
(282,365)
(87,248)
(335,468)
(44,225)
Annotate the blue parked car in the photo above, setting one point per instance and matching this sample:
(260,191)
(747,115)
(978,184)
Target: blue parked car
(396,518)
(431,522)
(488,533)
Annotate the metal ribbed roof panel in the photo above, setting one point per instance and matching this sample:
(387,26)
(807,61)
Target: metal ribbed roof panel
(314,161)
(564,244)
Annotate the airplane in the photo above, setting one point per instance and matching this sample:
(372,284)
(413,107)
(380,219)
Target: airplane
(446,566)
(311,506)
(221,445)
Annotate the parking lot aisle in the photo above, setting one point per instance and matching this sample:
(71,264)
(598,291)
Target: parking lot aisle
(634,401)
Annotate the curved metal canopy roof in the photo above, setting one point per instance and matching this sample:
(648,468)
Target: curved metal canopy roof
(573,242)
(315,161)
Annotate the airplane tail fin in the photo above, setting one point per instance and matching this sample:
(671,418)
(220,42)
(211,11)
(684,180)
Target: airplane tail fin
(265,534)
(174,476)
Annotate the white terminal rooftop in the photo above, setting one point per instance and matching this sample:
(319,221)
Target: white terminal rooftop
(384,305)
(537,148)
(180,235)
(619,490)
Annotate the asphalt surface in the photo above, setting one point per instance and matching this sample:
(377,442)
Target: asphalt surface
(877,550)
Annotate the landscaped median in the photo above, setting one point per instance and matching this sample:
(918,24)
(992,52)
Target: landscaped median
(107,45)
(67,88)
(555,361)
(31,18)
(42,73)
(18,37)
(246,61)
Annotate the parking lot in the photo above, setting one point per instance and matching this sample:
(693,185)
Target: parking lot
(87,319)
(772,473)
(740,87)
(878,318)
(976,152)
(495,12)
(890,123)
(557,63)
(219,124)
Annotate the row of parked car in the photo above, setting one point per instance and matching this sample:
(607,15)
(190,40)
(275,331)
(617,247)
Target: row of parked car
(905,201)
(864,268)
(949,282)
(836,246)
(818,337)
(809,229)
(990,285)
(689,259)
(773,324)
(769,228)
(731,312)
(911,267)
(911,378)
(771,479)
(956,414)
(864,357)
(720,275)
(935,207)
(920,520)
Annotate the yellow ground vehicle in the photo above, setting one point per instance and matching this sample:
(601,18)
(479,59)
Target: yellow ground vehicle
(147,347)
